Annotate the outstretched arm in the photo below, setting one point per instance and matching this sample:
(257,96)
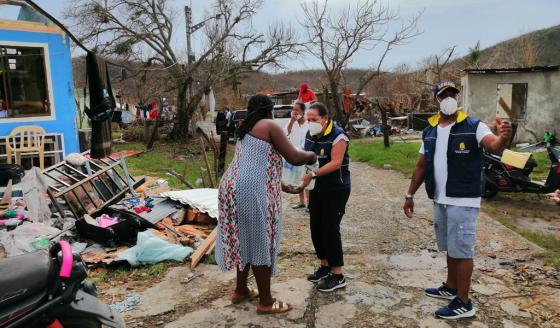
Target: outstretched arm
(293,155)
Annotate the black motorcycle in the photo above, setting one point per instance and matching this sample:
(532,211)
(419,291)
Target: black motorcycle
(502,177)
(48,290)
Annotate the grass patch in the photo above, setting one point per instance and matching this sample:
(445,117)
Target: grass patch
(549,257)
(401,156)
(551,244)
(543,166)
(124,272)
(166,156)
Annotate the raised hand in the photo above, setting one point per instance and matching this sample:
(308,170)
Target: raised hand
(503,128)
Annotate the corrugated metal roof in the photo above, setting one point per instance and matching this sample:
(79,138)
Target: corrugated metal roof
(204,199)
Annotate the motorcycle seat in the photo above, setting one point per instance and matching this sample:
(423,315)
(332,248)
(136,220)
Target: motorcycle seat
(23,275)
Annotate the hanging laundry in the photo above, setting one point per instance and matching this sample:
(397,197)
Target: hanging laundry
(101,105)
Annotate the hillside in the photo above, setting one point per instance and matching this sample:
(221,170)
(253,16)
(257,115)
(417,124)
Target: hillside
(537,48)
(292,79)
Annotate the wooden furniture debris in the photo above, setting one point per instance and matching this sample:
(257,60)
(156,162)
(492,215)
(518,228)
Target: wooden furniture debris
(208,244)
(101,183)
(27,139)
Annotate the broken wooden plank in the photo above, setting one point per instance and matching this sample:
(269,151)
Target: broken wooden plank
(189,229)
(202,249)
(211,248)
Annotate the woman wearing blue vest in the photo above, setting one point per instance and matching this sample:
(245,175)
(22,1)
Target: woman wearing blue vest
(328,198)
(450,166)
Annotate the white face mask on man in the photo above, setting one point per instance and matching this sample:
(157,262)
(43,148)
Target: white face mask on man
(448,106)
(315,128)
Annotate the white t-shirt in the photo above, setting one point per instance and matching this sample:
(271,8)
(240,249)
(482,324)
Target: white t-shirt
(297,136)
(440,166)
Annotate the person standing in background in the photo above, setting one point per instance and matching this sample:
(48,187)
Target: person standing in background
(306,95)
(296,130)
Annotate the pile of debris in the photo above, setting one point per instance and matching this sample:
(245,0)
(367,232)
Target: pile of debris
(106,214)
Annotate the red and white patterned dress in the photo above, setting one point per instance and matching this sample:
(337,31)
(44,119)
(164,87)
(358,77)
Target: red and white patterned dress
(250,204)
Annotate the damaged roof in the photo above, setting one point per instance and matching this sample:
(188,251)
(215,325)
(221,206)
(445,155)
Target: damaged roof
(205,199)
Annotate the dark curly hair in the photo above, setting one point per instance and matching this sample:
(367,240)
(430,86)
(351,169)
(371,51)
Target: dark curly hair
(259,107)
(320,108)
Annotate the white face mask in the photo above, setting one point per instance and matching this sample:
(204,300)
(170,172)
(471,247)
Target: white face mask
(448,106)
(315,128)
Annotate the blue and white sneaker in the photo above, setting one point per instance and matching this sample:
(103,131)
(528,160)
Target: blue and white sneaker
(456,309)
(442,292)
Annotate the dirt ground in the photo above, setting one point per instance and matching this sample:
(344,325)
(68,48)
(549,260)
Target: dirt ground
(389,260)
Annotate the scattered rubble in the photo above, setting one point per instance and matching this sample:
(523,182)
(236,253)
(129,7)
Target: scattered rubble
(108,215)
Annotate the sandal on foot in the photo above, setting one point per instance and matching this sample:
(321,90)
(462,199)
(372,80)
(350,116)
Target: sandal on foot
(237,298)
(275,308)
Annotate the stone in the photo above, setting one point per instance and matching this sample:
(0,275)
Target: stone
(489,289)
(432,322)
(294,291)
(165,295)
(378,297)
(222,313)
(478,324)
(334,315)
(512,309)
(510,324)
(423,307)
(417,278)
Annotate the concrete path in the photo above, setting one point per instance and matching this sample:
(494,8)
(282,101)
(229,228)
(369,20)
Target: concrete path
(389,260)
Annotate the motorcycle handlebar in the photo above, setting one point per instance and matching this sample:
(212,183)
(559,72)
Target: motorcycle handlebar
(67,258)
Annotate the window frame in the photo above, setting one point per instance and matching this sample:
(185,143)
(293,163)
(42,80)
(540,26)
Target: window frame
(526,99)
(49,81)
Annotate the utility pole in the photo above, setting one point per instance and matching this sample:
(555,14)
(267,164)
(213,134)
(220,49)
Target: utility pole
(188,20)
(190,30)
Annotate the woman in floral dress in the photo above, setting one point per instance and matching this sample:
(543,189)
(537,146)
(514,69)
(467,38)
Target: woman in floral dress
(250,201)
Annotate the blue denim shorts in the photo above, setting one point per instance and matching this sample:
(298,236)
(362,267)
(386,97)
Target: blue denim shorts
(455,228)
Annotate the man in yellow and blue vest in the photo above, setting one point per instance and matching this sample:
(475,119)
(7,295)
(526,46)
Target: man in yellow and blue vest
(450,166)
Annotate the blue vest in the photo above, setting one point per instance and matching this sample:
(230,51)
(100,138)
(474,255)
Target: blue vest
(322,146)
(464,159)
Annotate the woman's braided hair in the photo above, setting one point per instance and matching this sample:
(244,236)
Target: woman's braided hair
(258,108)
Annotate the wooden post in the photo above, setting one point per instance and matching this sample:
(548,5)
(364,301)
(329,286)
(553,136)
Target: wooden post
(208,169)
(386,131)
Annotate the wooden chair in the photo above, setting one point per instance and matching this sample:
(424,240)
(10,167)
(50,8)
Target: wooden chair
(27,139)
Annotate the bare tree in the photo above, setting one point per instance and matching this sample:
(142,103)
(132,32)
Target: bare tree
(143,30)
(435,65)
(336,36)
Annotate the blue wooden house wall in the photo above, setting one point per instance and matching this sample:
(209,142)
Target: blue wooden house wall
(60,62)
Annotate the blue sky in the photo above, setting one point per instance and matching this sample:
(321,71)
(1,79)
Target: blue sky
(444,23)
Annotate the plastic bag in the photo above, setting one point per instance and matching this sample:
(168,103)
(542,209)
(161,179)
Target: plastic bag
(24,239)
(150,249)
(34,187)
(292,174)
